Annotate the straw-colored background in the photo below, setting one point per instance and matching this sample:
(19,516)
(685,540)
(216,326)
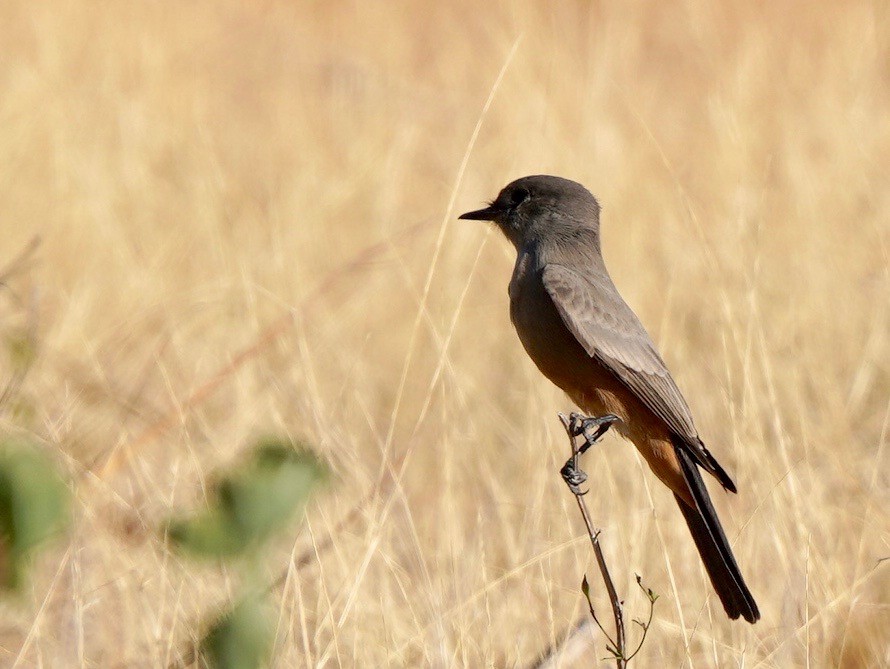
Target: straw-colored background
(199,170)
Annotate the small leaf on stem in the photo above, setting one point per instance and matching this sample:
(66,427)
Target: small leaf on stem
(239,639)
(252,502)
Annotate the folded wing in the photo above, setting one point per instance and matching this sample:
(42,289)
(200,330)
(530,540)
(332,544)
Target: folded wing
(609,331)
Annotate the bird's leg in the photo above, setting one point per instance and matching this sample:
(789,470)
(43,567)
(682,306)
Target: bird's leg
(592,428)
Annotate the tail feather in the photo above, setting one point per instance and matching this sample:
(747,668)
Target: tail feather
(713,546)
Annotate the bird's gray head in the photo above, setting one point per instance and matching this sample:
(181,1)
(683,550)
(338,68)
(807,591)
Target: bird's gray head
(543,208)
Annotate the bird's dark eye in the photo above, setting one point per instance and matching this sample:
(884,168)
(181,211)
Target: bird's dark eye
(519,196)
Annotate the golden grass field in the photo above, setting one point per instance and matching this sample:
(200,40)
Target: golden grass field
(247,213)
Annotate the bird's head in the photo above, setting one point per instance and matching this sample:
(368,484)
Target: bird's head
(541,206)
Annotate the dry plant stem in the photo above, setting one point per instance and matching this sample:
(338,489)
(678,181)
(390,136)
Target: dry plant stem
(20,262)
(111,461)
(18,265)
(570,649)
(577,425)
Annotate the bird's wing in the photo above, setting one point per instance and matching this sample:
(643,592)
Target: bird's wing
(609,331)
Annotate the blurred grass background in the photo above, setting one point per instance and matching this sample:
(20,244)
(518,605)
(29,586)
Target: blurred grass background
(199,172)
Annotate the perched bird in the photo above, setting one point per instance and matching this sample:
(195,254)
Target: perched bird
(584,337)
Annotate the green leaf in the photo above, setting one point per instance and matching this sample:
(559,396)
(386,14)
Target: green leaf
(33,502)
(210,534)
(240,639)
(253,502)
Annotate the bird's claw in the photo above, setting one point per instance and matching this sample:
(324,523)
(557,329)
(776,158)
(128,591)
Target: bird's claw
(573,476)
(592,428)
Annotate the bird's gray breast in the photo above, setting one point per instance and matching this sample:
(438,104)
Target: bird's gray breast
(546,339)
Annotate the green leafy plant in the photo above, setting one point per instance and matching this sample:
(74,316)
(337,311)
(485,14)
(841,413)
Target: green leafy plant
(250,505)
(33,504)
(252,502)
(241,638)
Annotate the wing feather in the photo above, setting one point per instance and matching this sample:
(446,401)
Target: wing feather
(609,331)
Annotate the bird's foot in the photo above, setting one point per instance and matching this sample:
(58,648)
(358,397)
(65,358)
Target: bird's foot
(592,428)
(573,476)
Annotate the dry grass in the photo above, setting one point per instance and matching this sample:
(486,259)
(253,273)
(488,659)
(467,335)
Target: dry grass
(197,173)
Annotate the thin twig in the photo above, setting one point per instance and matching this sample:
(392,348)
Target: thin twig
(571,425)
(651,596)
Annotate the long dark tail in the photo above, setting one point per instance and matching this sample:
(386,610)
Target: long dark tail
(712,545)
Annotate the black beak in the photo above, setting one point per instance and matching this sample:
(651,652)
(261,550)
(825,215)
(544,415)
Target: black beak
(487,214)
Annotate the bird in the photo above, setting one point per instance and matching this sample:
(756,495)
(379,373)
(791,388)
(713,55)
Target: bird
(584,337)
